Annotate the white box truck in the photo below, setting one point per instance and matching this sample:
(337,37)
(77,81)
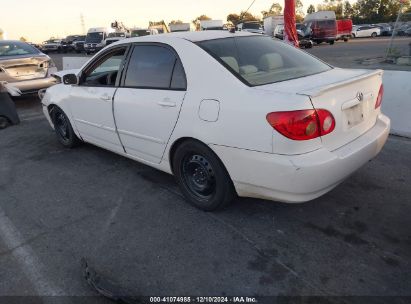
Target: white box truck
(206,25)
(271,22)
(181,27)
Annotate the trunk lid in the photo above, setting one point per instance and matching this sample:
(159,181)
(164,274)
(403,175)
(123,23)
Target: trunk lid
(349,95)
(24,68)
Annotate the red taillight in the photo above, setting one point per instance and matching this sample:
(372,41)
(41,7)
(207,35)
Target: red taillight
(379,97)
(302,124)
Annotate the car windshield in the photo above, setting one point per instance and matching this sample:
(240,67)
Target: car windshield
(16,48)
(94,37)
(260,60)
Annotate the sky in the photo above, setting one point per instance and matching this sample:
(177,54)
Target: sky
(38,20)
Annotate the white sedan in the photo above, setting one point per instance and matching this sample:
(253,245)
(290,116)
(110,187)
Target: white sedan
(227,113)
(365,31)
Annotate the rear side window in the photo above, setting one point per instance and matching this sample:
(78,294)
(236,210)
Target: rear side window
(259,60)
(156,67)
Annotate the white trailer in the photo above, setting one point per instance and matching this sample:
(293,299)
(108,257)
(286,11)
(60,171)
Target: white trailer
(181,27)
(211,25)
(320,15)
(271,22)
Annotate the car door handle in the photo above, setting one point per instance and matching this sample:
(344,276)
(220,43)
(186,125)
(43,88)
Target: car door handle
(105,97)
(166,102)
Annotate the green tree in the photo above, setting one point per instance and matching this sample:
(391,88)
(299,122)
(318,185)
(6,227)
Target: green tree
(332,5)
(299,13)
(349,11)
(197,20)
(311,9)
(275,9)
(233,19)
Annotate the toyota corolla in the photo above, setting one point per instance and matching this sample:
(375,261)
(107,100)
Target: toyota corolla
(227,113)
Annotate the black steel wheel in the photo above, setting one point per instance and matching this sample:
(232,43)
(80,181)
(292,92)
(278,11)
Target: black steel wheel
(198,175)
(201,176)
(63,128)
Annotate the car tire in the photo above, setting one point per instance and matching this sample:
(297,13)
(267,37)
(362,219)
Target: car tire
(331,42)
(373,35)
(202,177)
(64,130)
(4,122)
(353,35)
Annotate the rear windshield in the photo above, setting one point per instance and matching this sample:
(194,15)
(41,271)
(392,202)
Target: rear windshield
(259,60)
(16,48)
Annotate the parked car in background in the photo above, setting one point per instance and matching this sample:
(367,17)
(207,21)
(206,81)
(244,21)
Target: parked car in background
(67,43)
(140,32)
(52,45)
(27,68)
(304,40)
(78,44)
(114,37)
(361,31)
(385,29)
(323,25)
(297,126)
(344,29)
(402,30)
(251,26)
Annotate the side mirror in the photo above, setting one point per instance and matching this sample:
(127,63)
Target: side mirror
(70,79)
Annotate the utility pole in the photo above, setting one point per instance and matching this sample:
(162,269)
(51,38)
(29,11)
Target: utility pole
(389,49)
(83,26)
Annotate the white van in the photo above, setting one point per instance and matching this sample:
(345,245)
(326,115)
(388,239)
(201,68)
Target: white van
(95,39)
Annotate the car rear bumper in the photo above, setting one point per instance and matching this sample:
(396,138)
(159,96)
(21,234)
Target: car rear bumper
(300,178)
(33,85)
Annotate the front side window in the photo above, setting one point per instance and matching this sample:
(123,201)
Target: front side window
(16,48)
(260,60)
(105,71)
(152,66)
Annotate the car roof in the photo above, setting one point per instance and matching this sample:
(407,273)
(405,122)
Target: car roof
(192,36)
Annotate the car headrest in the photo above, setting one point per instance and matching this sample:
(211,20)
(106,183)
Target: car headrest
(232,62)
(248,69)
(270,61)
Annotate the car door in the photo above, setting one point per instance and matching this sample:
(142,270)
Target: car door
(91,101)
(148,101)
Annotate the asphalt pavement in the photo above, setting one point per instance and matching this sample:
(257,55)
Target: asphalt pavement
(130,222)
(136,231)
